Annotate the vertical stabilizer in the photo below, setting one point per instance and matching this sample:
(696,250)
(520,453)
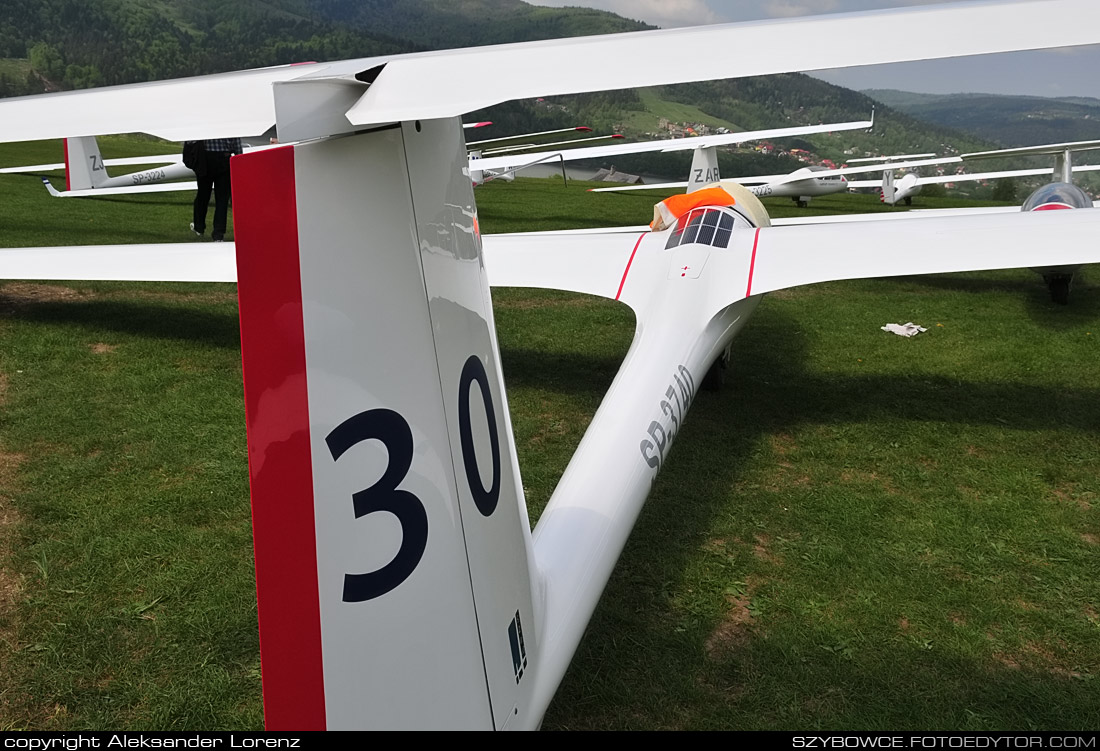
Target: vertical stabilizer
(84,167)
(888,189)
(477,177)
(392,541)
(1063,166)
(704,169)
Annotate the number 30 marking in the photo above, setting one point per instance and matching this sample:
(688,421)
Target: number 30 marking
(393,431)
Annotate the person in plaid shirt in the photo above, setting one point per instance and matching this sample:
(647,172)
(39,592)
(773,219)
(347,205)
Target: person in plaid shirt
(213,172)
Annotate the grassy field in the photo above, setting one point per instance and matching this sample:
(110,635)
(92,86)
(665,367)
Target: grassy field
(857,531)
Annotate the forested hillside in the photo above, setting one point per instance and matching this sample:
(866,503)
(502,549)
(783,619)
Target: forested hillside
(65,44)
(1009,120)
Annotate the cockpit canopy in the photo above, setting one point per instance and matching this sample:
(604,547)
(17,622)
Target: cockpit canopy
(707,226)
(1058,195)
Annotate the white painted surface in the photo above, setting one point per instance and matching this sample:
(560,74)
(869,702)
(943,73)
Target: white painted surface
(410,657)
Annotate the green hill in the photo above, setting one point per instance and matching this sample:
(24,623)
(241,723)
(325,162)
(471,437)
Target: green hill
(1008,120)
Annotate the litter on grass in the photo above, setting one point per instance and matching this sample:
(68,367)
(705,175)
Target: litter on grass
(904,329)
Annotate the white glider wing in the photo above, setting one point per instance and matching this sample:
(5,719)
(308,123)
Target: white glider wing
(591,262)
(119,162)
(795,255)
(672,144)
(175,262)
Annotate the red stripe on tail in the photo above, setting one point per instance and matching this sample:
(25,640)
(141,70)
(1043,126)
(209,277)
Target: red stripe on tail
(277,415)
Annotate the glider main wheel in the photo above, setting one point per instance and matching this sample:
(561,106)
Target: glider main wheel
(1058,284)
(803,204)
(908,201)
(716,375)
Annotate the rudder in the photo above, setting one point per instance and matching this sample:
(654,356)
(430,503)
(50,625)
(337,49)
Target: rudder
(84,168)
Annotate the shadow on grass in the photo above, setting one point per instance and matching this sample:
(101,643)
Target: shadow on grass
(1084,299)
(145,319)
(640,659)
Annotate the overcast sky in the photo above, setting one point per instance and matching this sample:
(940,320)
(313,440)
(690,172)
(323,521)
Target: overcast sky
(1073,72)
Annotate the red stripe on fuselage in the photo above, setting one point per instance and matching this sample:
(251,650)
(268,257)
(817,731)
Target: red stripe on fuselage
(627,271)
(752,263)
(277,416)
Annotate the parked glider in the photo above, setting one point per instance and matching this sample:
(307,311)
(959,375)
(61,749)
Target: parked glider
(1059,194)
(399,582)
(86,173)
(801,185)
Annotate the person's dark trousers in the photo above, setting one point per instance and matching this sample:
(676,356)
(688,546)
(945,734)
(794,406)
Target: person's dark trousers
(216,177)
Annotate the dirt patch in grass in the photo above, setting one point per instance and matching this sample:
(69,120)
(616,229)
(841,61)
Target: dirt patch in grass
(100,348)
(861,477)
(783,444)
(718,546)
(1038,657)
(1090,538)
(1073,494)
(21,294)
(762,550)
(735,627)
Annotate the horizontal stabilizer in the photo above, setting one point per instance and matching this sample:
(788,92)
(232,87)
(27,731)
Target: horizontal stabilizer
(120,191)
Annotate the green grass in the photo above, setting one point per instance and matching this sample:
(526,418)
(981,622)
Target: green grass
(857,531)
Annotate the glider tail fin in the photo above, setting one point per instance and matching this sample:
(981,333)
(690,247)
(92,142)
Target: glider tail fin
(477,177)
(393,548)
(889,191)
(704,168)
(1063,166)
(84,168)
